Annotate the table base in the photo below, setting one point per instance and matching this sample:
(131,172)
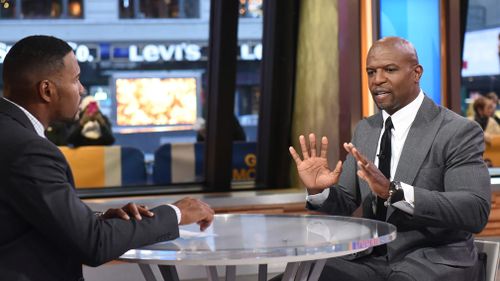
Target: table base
(294,271)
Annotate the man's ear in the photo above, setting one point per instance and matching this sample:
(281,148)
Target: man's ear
(46,90)
(419,70)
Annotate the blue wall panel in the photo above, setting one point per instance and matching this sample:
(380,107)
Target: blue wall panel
(418,22)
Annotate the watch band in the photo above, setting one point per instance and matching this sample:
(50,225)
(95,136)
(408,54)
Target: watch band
(396,193)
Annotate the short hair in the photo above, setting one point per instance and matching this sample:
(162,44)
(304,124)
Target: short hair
(492,96)
(479,104)
(33,54)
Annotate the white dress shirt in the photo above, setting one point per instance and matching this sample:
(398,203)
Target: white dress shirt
(401,120)
(40,131)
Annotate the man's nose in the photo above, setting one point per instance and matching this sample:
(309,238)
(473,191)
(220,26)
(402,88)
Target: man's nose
(83,91)
(379,77)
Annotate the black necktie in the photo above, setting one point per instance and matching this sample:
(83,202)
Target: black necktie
(384,165)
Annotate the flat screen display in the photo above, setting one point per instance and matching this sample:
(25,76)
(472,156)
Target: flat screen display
(151,101)
(481,53)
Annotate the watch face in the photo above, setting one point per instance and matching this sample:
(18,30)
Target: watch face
(398,195)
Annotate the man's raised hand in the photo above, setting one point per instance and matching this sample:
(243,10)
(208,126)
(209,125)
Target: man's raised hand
(313,169)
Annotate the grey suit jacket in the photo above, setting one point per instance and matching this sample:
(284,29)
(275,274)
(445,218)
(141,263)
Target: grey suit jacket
(47,232)
(442,159)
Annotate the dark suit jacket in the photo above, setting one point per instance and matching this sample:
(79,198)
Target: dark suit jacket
(442,159)
(47,232)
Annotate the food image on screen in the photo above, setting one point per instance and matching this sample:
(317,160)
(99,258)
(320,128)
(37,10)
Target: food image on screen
(155,101)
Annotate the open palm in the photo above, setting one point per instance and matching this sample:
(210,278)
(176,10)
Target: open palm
(313,170)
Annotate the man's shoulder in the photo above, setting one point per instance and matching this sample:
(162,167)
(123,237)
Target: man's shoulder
(13,130)
(19,138)
(453,119)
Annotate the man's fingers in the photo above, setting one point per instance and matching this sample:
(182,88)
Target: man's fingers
(361,174)
(120,214)
(303,147)
(207,221)
(204,224)
(312,145)
(295,155)
(132,209)
(360,157)
(348,147)
(194,211)
(338,168)
(324,147)
(143,210)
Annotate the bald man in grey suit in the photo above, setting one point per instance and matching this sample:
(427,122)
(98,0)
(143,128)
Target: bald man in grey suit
(435,187)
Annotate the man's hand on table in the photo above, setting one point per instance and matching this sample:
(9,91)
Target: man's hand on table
(195,211)
(127,211)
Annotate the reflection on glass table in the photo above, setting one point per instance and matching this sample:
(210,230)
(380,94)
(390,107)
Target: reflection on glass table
(304,242)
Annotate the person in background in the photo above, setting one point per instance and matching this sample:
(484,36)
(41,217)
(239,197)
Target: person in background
(494,98)
(57,132)
(92,127)
(413,164)
(484,108)
(47,231)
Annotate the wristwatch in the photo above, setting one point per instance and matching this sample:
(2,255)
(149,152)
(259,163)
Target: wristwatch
(396,193)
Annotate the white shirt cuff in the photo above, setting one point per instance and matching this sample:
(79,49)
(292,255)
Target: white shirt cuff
(177,212)
(319,198)
(407,205)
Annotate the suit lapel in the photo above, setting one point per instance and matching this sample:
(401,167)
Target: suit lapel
(418,142)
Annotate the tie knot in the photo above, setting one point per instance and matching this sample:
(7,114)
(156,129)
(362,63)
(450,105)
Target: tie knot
(388,123)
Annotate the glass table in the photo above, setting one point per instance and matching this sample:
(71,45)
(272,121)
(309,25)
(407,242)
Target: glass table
(304,242)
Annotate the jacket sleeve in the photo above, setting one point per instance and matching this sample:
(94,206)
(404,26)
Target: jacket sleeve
(39,186)
(463,202)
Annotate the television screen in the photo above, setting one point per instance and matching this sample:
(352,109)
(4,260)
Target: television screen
(150,101)
(481,53)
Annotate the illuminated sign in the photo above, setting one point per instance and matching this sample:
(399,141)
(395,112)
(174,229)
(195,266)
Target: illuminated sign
(153,53)
(83,53)
(147,53)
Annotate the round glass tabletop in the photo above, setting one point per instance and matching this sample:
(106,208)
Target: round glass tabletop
(259,239)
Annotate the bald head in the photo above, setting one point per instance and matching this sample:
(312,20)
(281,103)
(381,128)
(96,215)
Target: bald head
(393,73)
(398,45)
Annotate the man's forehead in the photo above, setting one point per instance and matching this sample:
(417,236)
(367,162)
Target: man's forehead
(389,54)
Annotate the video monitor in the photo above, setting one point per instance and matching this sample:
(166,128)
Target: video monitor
(155,99)
(481,53)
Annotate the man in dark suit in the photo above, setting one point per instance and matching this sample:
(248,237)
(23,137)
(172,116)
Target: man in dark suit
(414,164)
(47,231)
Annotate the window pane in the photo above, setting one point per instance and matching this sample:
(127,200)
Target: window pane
(147,82)
(33,9)
(7,9)
(251,8)
(75,9)
(160,9)
(46,9)
(481,72)
(247,96)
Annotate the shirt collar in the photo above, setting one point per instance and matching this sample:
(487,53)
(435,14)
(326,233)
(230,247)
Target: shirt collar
(39,129)
(403,118)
